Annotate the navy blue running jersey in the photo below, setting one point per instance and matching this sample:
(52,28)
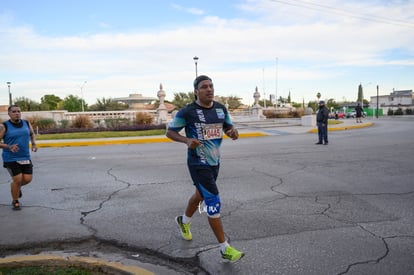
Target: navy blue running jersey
(205,124)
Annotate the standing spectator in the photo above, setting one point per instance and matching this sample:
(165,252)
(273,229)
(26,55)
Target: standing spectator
(359,111)
(16,134)
(205,121)
(322,122)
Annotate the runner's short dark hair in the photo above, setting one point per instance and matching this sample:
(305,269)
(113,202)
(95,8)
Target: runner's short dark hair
(199,79)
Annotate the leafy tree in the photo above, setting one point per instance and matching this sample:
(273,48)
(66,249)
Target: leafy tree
(360,93)
(314,105)
(268,103)
(282,100)
(50,102)
(331,104)
(181,99)
(60,105)
(73,103)
(27,104)
(233,102)
(107,104)
(44,107)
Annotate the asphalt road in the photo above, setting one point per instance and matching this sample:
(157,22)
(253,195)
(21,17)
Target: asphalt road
(292,206)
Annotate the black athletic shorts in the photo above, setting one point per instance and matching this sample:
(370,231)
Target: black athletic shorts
(15,168)
(205,176)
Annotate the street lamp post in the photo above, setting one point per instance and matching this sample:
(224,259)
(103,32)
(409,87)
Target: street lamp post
(195,58)
(277,61)
(264,91)
(81,90)
(10,96)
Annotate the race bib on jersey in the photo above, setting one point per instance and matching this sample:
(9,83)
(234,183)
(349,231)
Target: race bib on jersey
(22,162)
(213,131)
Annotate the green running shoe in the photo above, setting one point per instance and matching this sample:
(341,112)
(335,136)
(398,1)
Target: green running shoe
(184,228)
(231,254)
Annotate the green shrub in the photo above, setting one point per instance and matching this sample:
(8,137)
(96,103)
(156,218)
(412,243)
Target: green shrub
(64,123)
(82,121)
(398,112)
(408,111)
(117,122)
(46,123)
(390,112)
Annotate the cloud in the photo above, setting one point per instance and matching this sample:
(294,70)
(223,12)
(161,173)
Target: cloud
(193,11)
(313,48)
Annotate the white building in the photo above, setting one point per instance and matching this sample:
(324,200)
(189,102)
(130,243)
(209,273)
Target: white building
(403,99)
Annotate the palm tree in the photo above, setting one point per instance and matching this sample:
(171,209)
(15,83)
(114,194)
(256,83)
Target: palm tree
(318,95)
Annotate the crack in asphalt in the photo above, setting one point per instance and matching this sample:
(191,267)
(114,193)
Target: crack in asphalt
(383,239)
(329,207)
(86,213)
(374,261)
(379,259)
(152,256)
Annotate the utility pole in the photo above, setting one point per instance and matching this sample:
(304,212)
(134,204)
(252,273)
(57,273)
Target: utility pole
(377,102)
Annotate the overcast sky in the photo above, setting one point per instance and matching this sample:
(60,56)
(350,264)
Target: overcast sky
(128,46)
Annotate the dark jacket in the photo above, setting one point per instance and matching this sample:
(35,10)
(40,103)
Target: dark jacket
(322,115)
(358,110)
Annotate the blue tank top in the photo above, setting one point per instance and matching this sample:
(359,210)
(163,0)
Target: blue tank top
(206,125)
(17,134)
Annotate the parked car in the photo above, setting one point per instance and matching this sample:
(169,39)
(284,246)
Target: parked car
(353,114)
(335,115)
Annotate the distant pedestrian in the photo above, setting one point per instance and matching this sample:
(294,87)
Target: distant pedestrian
(322,122)
(16,134)
(358,113)
(205,121)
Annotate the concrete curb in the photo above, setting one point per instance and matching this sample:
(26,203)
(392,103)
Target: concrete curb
(71,261)
(343,128)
